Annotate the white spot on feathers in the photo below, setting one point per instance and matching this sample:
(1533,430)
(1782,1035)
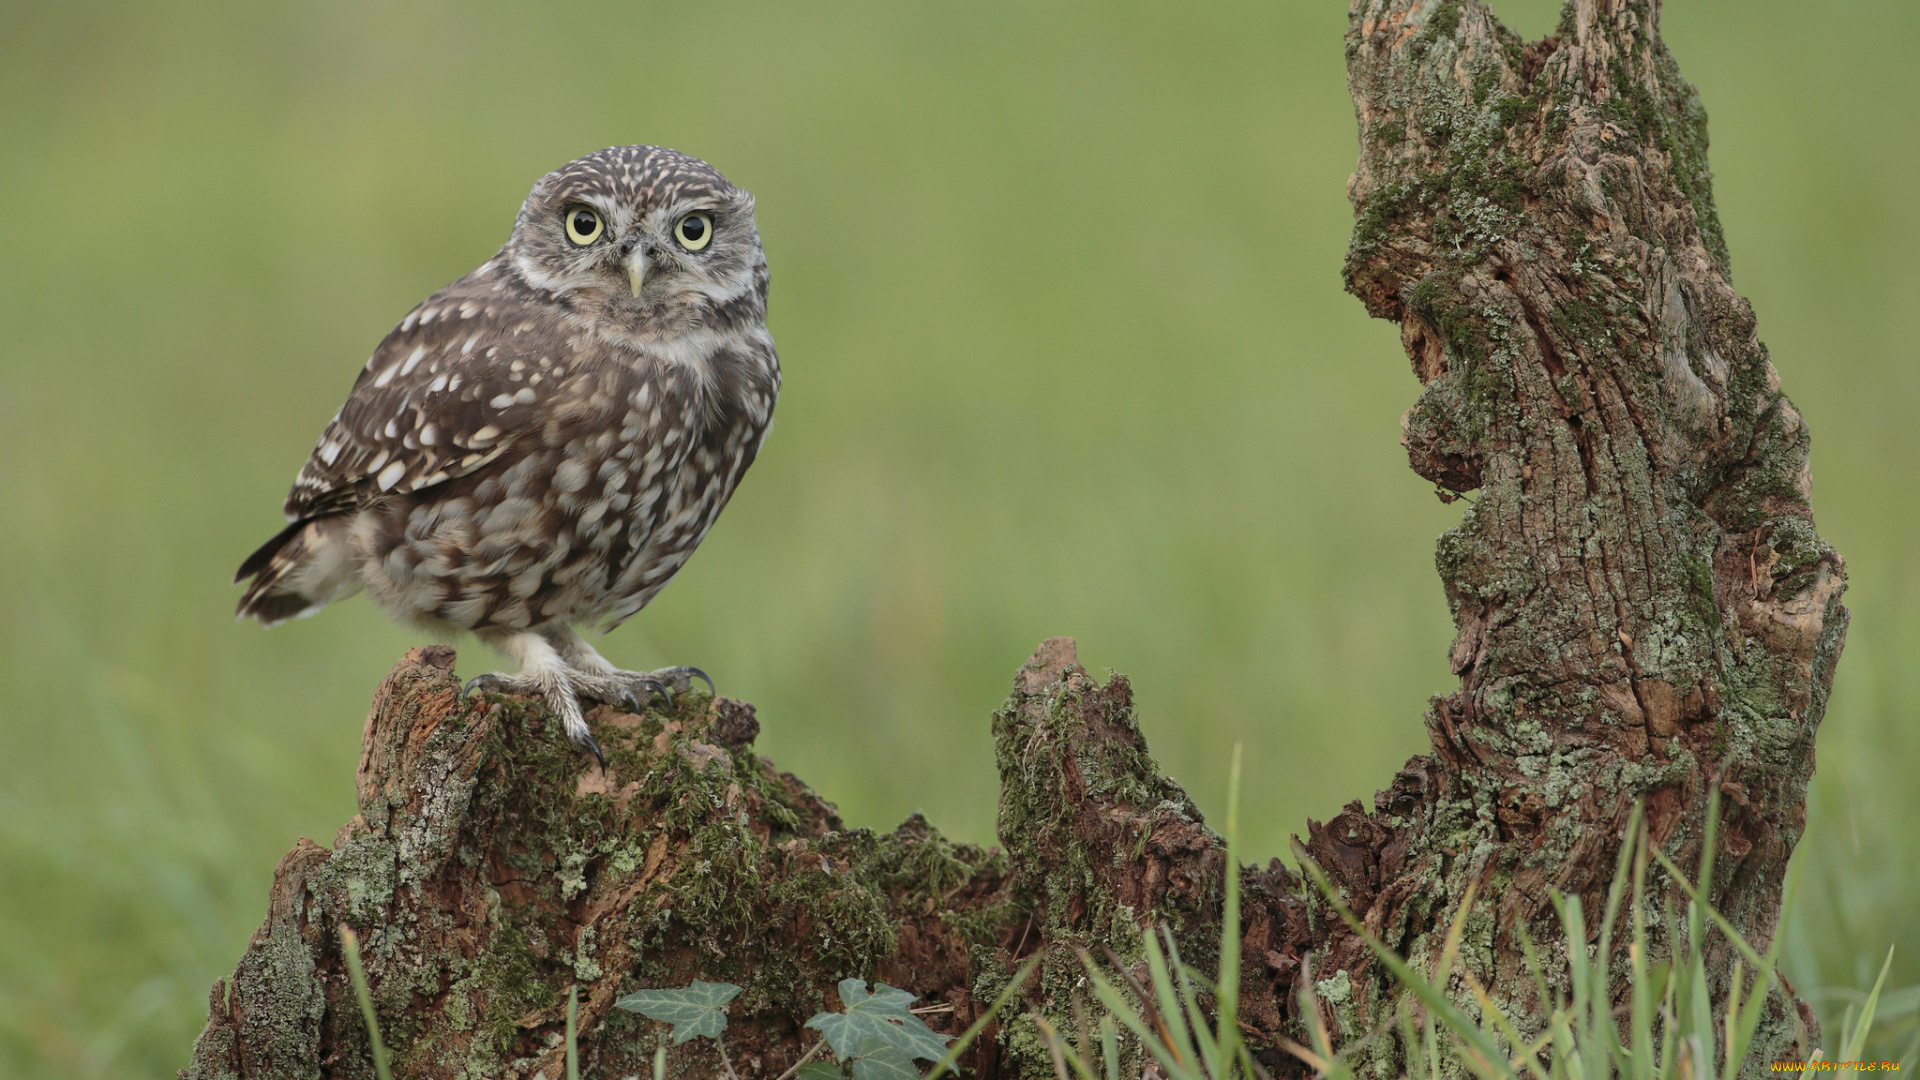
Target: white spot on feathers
(391,475)
(570,476)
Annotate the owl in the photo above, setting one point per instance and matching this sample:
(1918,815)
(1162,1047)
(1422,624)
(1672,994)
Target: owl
(543,443)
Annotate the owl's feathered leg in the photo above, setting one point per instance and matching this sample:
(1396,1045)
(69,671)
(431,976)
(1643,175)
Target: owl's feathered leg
(665,682)
(545,672)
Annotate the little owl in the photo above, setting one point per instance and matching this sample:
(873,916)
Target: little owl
(543,442)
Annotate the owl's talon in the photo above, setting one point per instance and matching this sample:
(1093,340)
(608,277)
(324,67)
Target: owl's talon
(495,682)
(654,686)
(680,678)
(585,741)
(608,690)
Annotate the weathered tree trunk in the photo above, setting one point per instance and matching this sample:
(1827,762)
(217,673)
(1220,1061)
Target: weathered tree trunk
(1644,612)
(1643,608)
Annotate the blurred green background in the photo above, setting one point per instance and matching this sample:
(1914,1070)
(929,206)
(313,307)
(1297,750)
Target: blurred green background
(1057,293)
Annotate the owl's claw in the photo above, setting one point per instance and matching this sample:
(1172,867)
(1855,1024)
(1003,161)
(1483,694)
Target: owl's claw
(673,679)
(668,683)
(561,697)
(585,741)
(499,682)
(685,675)
(563,688)
(613,690)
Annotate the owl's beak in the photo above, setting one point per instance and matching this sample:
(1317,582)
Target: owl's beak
(638,262)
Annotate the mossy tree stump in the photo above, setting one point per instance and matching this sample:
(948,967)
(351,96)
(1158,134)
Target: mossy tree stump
(1644,614)
(492,869)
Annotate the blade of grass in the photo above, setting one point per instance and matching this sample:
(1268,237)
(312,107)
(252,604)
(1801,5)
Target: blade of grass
(1082,1032)
(1409,1038)
(795,1067)
(1167,1001)
(1208,1047)
(1152,1015)
(1227,995)
(1522,1055)
(966,1038)
(1696,927)
(1601,1029)
(1756,1004)
(1433,1047)
(1699,1005)
(1328,1063)
(1855,1042)
(1641,999)
(1580,974)
(1731,1066)
(1693,893)
(1532,957)
(1763,965)
(1055,1050)
(350,943)
(573,1034)
(1434,998)
(1117,1007)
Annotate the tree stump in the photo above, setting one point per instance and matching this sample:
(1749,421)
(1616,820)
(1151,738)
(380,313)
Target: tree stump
(1644,611)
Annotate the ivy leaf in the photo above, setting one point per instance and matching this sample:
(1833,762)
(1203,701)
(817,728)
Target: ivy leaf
(700,1009)
(878,1060)
(881,1015)
(820,1070)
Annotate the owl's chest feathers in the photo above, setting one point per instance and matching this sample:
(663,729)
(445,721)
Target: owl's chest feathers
(692,422)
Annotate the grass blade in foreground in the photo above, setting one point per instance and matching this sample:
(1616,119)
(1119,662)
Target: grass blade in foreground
(350,943)
(959,1046)
(573,1035)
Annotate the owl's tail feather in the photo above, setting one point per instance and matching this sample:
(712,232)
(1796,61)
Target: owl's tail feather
(303,568)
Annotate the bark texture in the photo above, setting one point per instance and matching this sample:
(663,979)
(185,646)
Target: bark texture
(1644,613)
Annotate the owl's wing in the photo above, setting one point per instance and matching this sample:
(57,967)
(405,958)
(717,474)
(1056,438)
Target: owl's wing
(445,393)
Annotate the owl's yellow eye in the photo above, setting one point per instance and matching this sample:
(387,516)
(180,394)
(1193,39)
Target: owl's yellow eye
(583,225)
(694,232)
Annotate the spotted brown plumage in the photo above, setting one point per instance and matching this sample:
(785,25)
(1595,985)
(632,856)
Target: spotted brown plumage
(543,443)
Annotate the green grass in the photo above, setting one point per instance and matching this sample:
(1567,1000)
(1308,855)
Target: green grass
(1671,1032)
(1057,292)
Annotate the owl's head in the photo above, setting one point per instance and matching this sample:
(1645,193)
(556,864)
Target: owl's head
(643,236)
